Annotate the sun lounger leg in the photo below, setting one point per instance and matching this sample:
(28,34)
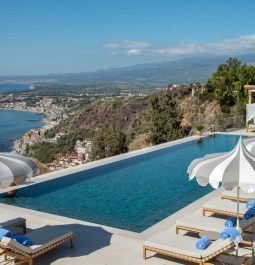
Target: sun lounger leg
(203,212)
(144,252)
(246,261)
(30,262)
(24,229)
(72,242)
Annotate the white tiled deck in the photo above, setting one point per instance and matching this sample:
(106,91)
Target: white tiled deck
(101,245)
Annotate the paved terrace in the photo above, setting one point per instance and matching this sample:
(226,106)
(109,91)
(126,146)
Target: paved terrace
(101,245)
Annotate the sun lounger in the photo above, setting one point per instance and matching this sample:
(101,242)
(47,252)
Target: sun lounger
(196,223)
(232,195)
(184,247)
(224,207)
(44,239)
(8,222)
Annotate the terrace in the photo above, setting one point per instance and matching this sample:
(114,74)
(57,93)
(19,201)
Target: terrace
(100,244)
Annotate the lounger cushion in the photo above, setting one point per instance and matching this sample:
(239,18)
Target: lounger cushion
(6,221)
(216,246)
(42,238)
(202,223)
(174,243)
(244,223)
(242,194)
(184,245)
(225,205)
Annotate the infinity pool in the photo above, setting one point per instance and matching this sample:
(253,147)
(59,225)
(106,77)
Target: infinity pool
(131,194)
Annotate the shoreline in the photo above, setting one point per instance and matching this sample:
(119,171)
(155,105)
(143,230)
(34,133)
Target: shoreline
(44,120)
(25,110)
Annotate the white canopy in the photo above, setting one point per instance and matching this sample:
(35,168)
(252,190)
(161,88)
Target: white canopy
(233,169)
(15,168)
(250,111)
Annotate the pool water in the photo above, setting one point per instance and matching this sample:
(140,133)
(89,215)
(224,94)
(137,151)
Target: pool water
(131,194)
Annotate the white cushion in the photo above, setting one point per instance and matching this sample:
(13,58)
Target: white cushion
(184,245)
(202,223)
(41,238)
(6,221)
(225,205)
(242,194)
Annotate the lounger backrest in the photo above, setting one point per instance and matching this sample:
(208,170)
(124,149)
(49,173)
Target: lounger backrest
(245,223)
(13,222)
(7,242)
(216,246)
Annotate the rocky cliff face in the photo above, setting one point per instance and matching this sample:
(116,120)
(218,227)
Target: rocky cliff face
(206,113)
(123,113)
(129,114)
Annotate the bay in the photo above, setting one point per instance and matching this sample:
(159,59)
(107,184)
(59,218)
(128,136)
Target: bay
(14,124)
(12,87)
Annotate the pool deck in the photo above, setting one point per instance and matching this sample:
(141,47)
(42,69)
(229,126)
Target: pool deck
(98,244)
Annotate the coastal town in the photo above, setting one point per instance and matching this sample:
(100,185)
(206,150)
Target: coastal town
(53,114)
(56,109)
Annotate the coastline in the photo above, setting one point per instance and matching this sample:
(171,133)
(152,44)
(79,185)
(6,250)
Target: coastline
(44,120)
(25,110)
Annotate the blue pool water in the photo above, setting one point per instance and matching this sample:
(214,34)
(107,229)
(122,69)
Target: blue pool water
(132,194)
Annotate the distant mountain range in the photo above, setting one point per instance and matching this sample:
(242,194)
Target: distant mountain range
(188,70)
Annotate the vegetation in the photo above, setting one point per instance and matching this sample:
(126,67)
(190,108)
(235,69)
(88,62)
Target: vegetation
(227,85)
(108,141)
(224,93)
(200,127)
(46,152)
(165,120)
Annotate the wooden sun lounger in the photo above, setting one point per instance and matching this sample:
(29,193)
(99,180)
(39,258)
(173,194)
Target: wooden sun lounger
(44,239)
(184,248)
(196,224)
(232,195)
(224,207)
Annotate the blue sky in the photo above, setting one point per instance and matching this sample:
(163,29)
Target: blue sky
(61,36)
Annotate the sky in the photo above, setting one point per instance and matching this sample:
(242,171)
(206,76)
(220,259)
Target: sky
(68,36)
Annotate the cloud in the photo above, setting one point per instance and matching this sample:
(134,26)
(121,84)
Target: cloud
(127,44)
(134,52)
(239,45)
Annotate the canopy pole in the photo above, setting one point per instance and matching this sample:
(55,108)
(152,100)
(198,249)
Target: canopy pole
(237,224)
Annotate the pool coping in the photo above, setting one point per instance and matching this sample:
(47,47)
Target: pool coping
(161,225)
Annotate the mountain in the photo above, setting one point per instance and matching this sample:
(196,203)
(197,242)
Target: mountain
(188,70)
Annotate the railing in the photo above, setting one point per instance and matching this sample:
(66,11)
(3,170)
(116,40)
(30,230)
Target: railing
(222,124)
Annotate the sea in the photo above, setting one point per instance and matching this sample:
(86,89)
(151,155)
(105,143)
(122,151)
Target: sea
(14,124)
(12,87)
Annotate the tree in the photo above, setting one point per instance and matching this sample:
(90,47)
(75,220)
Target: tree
(165,120)
(228,84)
(108,141)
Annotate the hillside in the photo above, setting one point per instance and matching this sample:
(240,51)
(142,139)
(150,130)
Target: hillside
(130,114)
(188,70)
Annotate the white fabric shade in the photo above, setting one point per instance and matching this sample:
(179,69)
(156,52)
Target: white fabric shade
(250,111)
(233,169)
(250,145)
(15,168)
